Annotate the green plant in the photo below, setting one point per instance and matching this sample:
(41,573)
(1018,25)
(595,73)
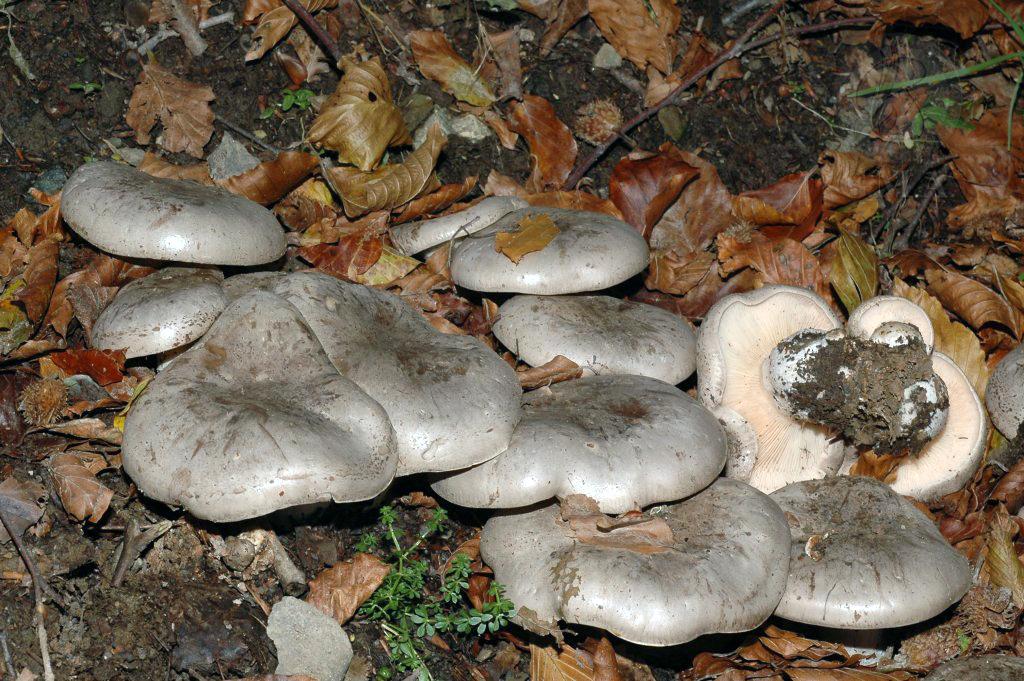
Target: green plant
(406,609)
(941,113)
(87,88)
(298,99)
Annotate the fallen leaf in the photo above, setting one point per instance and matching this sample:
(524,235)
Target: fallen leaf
(504,49)
(854,274)
(548,665)
(790,207)
(359,246)
(643,188)
(1004,567)
(557,370)
(966,17)
(19,503)
(533,233)
(952,339)
(642,31)
(360,120)
(849,176)
(390,266)
(436,201)
(497,123)
(439,62)
(973,302)
(552,147)
(339,591)
(702,211)
(182,108)
(777,261)
(576,200)
(306,205)
(40,276)
(393,185)
(158,166)
(561,16)
(846,674)
(677,274)
(84,497)
(84,293)
(88,429)
(103,366)
(271,180)
(274,24)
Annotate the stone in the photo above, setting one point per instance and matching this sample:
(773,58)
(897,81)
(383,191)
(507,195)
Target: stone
(308,641)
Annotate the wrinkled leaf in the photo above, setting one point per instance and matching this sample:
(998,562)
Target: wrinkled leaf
(790,207)
(340,590)
(644,188)
(966,17)
(439,62)
(854,274)
(84,497)
(40,276)
(702,211)
(18,501)
(436,201)
(103,366)
(678,273)
(390,266)
(1004,567)
(271,180)
(777,261)
(275,24)
(88,429)
(182,108)
(973,302)
(533,233)
(557,370)
(157,166)
(552,147)
(642,31)
(849,176)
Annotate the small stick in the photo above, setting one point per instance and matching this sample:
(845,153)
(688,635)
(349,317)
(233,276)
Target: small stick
(37,594)
(165,33)
(929,194)
(291,576)
(8,660)
(891,211)
(315,29)
(246,134)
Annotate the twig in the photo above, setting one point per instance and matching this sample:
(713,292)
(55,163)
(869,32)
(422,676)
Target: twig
(741,46)
(165,33)
(134,541)
(929,194)
(8,660)
(246,134)
(908,189)
(37,594)
(315,29)
(184,22)
(291,576)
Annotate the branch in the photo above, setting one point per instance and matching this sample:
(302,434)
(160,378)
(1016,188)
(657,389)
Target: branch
(315,29)
(37,592)
(743,44)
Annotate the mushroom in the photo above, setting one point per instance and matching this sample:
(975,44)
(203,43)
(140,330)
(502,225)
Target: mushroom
(165,310)
(131,214)
(625,441)
(1005,393)
(980,668)
(603,333)
(453,401)
(254,419)
(713,563)
(874,312)
(413,237)
(237,286)
(863,557)
(591,251)
(768,447)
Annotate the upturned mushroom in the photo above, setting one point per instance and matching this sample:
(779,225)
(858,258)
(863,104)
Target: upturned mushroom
(768,447)
(590,252)
(132,214)
(1004,396)
(624,441)
(863,557)
(453,401)
(604,334)
(716,562)
(981,668)
(255,419)
(166,310)
(413,237)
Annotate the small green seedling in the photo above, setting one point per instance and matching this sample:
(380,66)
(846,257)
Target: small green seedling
(407,610)
(297,99)
(940,113)
(87,88)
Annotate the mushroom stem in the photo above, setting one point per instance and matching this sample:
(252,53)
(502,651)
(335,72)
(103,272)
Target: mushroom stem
(414,237)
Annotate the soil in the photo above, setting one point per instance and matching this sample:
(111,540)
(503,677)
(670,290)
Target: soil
(180,613)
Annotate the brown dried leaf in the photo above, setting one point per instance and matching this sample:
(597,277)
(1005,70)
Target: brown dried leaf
(340,590)
(973,302)
(557,370)
(504,49)
(82,494)
(552,147)
(19,503)
(790,207)
(576,200)
(88,429)
(306,206)
(103,366)
(359,246)
(40,276)
(642,31)
(439,62)
(777,261)
(1004,567)
(360,120)
(533,233)
(393,185)
(436,201)
(182,108)
(88,290)
(548,665)
(845,674)
(158,166)
(677,274)
(644,188)
(271,180)
(854,274)
(561,17)
(275,24)
(966,17)
(702,211)
(849,176)
(1009,491)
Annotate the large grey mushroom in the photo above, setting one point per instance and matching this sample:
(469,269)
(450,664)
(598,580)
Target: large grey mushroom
(713,563)
(625,441)
(602,333)
(254,419)
(590,252)
(166,310)
(981,668)
(863,557)
(412,237)
(1004,396)
(129,213)
(452,400)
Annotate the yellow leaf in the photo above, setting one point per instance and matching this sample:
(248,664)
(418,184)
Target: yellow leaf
(123,414)
(952,339)
(360,120)
(1004,567)
(439,62)
(391,265)
(547,665)
(392,185)
(854,271)
(534,233)
(277,23)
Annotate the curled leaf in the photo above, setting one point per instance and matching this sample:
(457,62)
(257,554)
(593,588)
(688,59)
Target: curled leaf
(790,207)
(533,233)
(777,261)
(644,188)
(270,180)
(854,274)
(552,146)
(276,23)
(182,108)
(439,62)
(340,590)
(84,497)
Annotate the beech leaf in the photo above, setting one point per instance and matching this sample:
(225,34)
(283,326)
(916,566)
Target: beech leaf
(40,276)
(1004,567)
(559,369)
(644,188)
(18,501)
(339,591)
(854,274)
(271,180)
(275,24)
(676,273)
(84,497)
(777,261)
(533,234)
(552,147)
(439,62)
(182,108)
(642,31)
(972,301)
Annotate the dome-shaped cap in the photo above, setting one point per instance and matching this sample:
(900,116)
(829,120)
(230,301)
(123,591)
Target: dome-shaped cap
(255,419)
(863,557)
(1004,395)
(590,252)
(412,237)
(135,215)
(604,334)
(453,401)
(624,441)
(980,668)
(163,311)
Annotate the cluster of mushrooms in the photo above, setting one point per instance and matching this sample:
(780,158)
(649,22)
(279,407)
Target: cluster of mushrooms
(281,389)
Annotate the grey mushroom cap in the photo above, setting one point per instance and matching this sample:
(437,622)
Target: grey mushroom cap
(863,557)
(722,569)
(624,441)
(255,419)
(132,214)
(237,286)
(166,310)
(605,334)
(453,401)
(591,251)
(412,237)
(980,668)
(1004,395)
